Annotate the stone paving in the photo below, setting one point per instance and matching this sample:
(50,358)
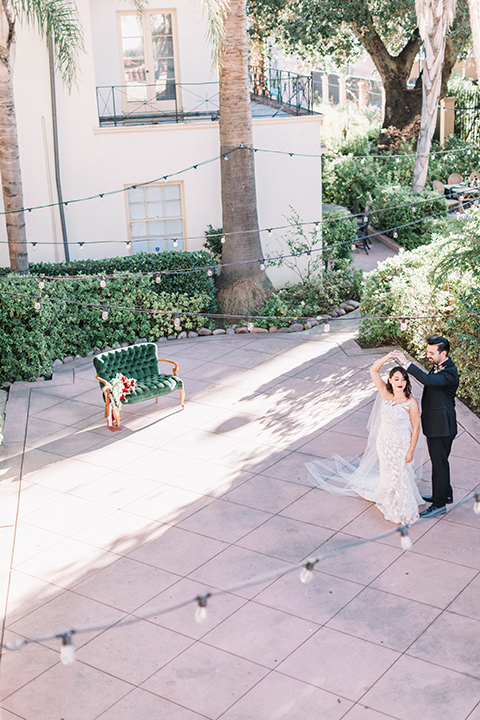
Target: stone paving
(112,526)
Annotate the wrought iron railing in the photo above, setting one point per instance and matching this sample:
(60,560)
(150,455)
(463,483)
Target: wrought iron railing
(289,91)
(467,116)
(142,104)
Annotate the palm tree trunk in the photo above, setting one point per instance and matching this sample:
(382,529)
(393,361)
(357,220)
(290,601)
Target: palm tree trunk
(10,156)
(434,19)
(474,10)
(241,287)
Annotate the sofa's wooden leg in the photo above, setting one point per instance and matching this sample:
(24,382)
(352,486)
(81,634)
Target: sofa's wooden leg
(182,398)
(116,415)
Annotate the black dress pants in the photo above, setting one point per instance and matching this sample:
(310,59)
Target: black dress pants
(439,450)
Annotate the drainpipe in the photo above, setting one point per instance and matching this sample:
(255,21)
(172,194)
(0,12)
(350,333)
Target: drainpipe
(61,208)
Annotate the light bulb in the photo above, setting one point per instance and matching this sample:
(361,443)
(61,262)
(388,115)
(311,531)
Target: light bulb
(201,611)
(225,157)
(362,160)
(414,207)
(34,245)
(353,246)
(306,573)
(105,314)
(326,327)
(403,324)
(128,243)
(41,283)
(175,242)
(365,218)
(81,244)
(433,156)
(36,304)
(262,266)
(405,541)
(469,151)
(250,326)
(476,504)
(395,234)
(223,239)
(103,282)
(210,272)
(158,277)
(176,322)
(67,653)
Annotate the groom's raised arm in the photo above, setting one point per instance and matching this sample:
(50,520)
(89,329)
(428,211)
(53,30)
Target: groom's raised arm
(443,378)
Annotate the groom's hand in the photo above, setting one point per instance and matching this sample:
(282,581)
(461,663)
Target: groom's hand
(400,356)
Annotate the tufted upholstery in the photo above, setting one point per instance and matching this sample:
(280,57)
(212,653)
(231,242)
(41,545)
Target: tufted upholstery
(139,362)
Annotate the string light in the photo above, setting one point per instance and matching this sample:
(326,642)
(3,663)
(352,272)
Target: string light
(67,652)
(395,234)
(176,322)
(223,240)
(326,326)
(476,504)
(105,313)
(34,244)
(201,600)
(81,244)
(158,278)
(103,282)
(250,325)
(405,540)
(306,573)
(403,324)
(175,242)
(128,243)
(41,283)
(209,272)
(36,304)
(201,611)
(262,265)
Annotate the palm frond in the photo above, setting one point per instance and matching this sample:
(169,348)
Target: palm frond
(58,21)
(215,12)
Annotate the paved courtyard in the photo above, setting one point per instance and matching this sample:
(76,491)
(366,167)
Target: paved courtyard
(112,526)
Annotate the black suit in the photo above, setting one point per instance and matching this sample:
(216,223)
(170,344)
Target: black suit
(439,423)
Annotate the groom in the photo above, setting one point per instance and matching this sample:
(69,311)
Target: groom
(439,423)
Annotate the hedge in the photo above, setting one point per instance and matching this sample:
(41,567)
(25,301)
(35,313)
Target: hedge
(412,284)
(32,339)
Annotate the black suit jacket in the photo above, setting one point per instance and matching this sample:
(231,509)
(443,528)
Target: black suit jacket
(438,399)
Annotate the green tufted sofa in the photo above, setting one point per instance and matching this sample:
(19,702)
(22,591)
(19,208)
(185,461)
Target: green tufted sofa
(139,362)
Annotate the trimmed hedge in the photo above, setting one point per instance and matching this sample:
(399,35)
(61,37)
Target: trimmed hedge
(412,211)
(410,284)
(32,339)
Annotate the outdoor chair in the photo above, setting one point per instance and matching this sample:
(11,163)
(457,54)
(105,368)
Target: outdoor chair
(454,179)
(363,222)
(452,203)
(139,362)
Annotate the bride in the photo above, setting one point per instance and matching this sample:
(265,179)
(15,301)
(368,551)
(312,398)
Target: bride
(386,473)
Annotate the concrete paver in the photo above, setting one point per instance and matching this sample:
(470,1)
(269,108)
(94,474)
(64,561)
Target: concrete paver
(100,527)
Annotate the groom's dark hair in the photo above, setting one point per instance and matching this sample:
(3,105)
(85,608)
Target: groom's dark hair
(441,342)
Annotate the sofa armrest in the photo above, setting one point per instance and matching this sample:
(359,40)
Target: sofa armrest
(175,365)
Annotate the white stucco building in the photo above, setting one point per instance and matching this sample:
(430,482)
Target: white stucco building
(145,107)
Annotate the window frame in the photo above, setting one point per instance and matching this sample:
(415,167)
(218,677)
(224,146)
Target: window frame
(182,236)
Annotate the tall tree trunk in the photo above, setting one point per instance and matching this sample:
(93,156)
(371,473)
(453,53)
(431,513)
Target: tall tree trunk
(9,151)
(434,19)
(474,11)
(241,287)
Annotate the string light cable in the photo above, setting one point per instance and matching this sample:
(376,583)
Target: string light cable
(306,568)
(177,314)
(225,156)
(209,268)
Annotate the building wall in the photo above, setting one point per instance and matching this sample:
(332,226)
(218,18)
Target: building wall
(98,160)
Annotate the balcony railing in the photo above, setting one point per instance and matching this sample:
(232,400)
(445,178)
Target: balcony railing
(282,89)
(273,92)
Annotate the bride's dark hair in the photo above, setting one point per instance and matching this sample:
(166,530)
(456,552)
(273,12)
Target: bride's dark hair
(408,387)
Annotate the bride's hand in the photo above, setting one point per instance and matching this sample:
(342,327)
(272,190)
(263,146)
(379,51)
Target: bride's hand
(409,456)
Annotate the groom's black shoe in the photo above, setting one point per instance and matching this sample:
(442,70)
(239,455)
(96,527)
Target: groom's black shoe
(433,511)
(428,498)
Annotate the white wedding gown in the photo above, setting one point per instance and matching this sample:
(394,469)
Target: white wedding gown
(382,476)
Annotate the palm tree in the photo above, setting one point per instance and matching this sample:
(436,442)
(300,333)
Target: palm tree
(243,284)
(57,21)
(434,18)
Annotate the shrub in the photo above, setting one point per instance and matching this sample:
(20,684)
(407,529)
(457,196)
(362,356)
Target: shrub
(310,298)
(408,285)
(407,208)
(69,325)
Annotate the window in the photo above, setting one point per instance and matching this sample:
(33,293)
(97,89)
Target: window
(156,217)
(147,45)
